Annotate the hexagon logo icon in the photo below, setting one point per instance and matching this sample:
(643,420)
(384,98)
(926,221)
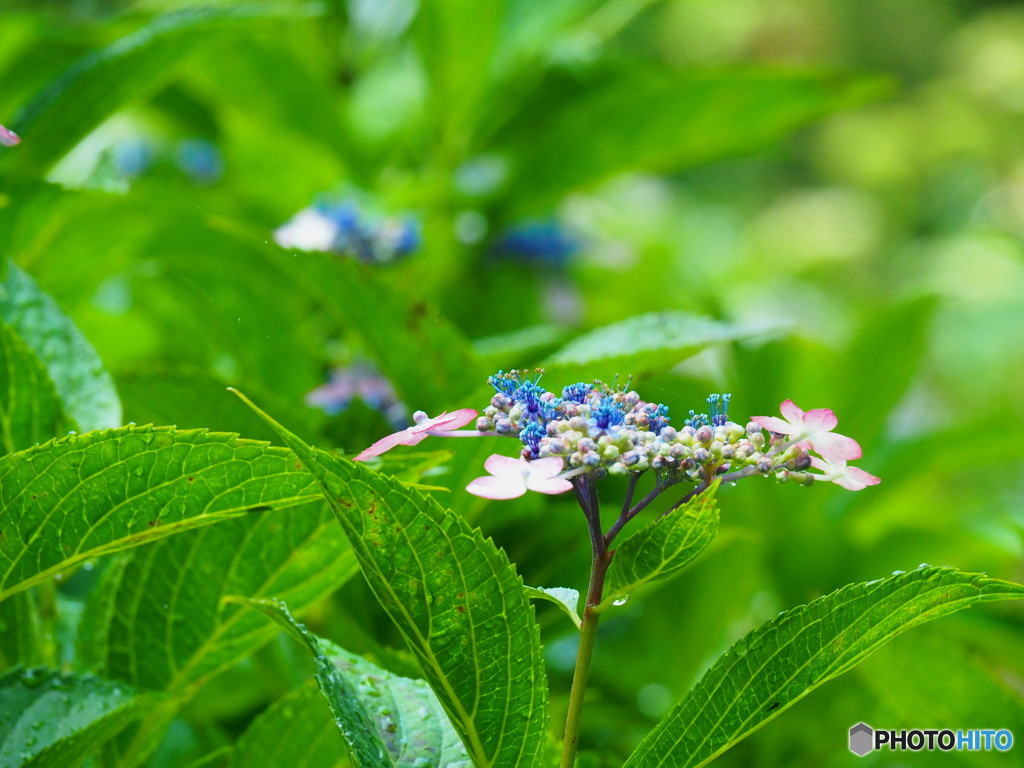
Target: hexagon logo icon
(861,739)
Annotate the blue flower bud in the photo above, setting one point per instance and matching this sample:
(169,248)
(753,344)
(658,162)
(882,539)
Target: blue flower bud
(803,461)
(578,392)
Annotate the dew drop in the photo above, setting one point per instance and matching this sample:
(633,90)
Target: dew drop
(898,573)
(62,683)
(924,565)
(32,678)
(621,600)
(88,565)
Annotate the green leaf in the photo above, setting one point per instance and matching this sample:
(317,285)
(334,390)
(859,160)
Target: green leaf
(189,397)
(528,343)
(30,410)
(247,322)
(455,598)
(50,718)
(395,326)
(934,677)
(663,548)
(776,665)
(169,627)
(84,386)
(360,733)
(457,43)
(566,598)
(160,619)
(895,363)
(127,70)
(656,120)
(643,344)
(88,495)
(297,729)
(405,714)
(23,636)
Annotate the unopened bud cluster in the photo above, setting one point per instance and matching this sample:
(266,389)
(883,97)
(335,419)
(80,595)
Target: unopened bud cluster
(609,431)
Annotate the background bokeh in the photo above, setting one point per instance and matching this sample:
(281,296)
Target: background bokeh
(840,184)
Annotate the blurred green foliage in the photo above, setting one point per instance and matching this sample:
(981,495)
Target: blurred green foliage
(839,185)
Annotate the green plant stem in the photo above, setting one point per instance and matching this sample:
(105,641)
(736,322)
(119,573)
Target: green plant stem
(588,630)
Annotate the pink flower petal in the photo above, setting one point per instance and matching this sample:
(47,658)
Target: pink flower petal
(850,478)
(428,424)
(847,482)
(791,412)
(8,137)
(500,465)
(496,487)
(513,477)
(820,420)
(417,433)
(858,475)
(550,485)
(385,444)
(835,447)
(821,464)
(455,419)
(773,424)
(546,468)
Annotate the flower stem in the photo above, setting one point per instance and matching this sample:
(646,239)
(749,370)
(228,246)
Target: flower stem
(588,637)
(602,558)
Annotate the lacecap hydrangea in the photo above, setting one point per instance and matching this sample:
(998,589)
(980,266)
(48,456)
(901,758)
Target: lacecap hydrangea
(594,429)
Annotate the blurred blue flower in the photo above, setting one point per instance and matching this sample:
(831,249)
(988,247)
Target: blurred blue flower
(201,160)
(132,157)
(342,228)
(359,380)
(543,242)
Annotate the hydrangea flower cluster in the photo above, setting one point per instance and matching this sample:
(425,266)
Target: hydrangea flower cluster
(607,431)
(595,429)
